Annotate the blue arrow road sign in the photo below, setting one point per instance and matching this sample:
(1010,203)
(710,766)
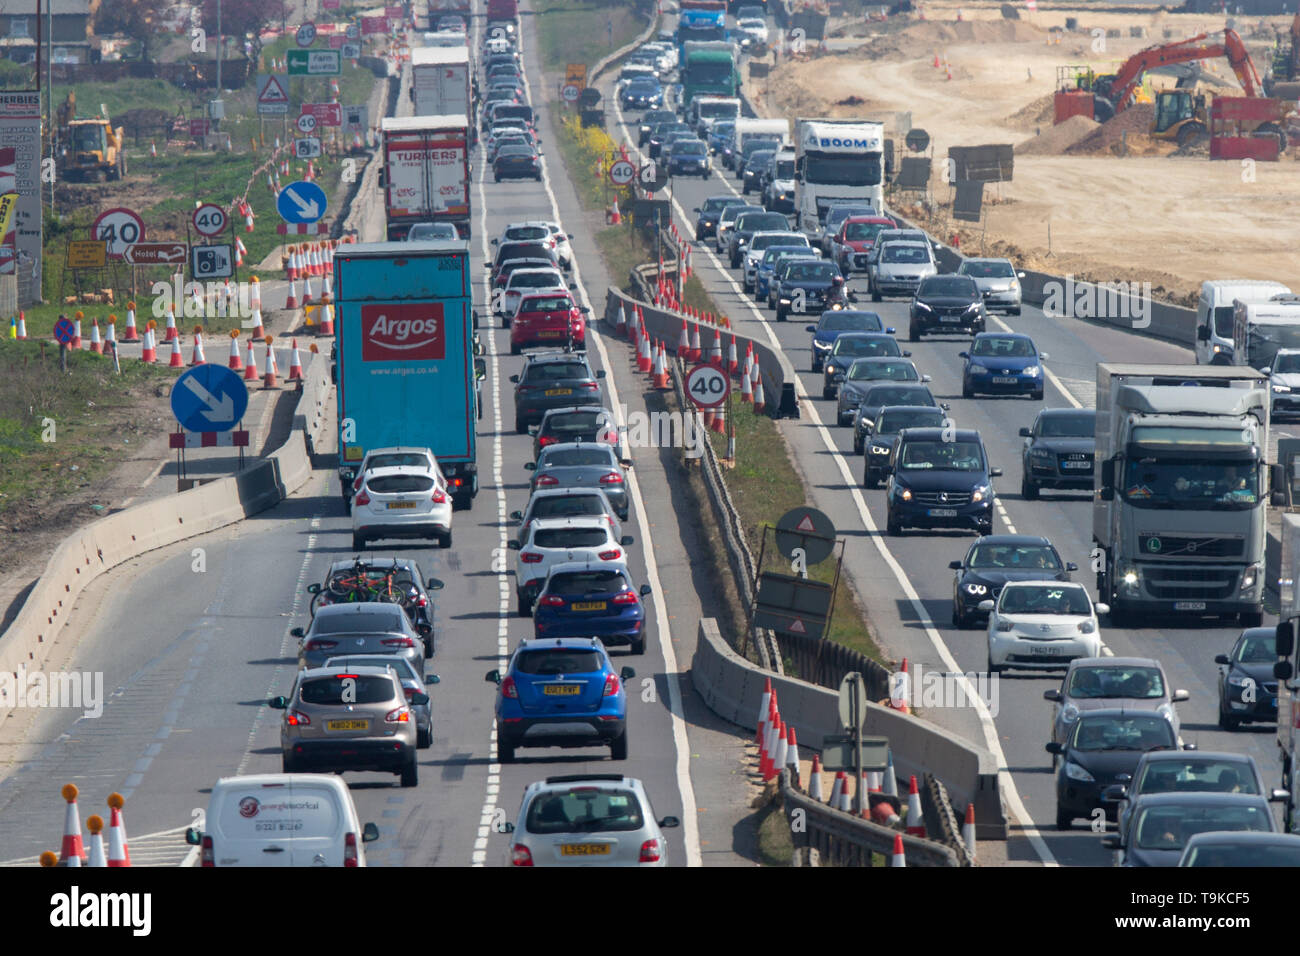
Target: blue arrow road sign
(209,398)
(301,202)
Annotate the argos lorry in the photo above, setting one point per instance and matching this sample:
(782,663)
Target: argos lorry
(1179,515)
(405,356)
(425,176)
(837,161)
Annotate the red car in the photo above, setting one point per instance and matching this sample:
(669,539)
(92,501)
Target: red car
(857,235)
(547,319)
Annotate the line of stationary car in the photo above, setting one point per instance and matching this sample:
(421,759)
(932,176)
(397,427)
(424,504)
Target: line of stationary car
(1113,718)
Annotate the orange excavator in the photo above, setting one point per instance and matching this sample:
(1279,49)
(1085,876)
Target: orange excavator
(1181,114)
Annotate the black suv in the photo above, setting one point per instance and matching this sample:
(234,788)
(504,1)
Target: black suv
(877,441)
(706,220)
(748,223)
(553,379)
(941,479)
(946,303)
(1059,450)
(873,401)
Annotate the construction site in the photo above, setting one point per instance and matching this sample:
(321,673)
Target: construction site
(1148,145)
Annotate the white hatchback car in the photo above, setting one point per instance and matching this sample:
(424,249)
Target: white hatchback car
(597,819)
(1042,625)
(527,282)
(406,455)
(401,502)
(553,541)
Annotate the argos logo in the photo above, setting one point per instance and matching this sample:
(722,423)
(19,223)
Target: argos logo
(397,333)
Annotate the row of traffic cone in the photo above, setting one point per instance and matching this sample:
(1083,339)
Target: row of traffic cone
(73,850)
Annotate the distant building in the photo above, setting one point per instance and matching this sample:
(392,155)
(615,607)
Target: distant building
(73,24)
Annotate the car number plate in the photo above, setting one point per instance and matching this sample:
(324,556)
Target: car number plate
(943,512)
(589,605)
(559,391)
(561,690)
(347,724)
(1080,465)
(400,504)
(584,849)
(549,334)
(954,319)
(1189,605)
(1048,650)
(1005,380)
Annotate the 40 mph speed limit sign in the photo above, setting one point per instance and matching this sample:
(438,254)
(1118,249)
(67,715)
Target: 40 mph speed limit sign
(707,386)
(622,172)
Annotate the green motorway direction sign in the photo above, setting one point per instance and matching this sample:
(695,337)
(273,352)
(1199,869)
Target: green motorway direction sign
(314,62)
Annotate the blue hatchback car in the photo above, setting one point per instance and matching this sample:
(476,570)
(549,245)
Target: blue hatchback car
(835,323)
(592,599)
(999,363)
(561,693)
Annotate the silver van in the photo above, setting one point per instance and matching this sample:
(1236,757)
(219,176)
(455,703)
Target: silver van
(1214,314)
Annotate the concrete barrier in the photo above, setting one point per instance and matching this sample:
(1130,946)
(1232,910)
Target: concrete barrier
(732,687)
(104,544)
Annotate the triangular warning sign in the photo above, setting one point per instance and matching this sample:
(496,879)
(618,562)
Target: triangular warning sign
(273,93)
(796,627)
(805,525)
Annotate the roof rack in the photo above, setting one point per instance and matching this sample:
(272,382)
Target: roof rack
(578,777)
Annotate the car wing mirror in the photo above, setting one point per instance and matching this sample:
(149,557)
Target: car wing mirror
(1054,748)
(1020,275)
(985,605)
(1071,566)
(492,677)
(963,355)
(925,378)
(507,827)
(1043,356)
(1180,696)
(1025,433)
(515,379)
(313,588)
(369,833)
(995,472)
(669,822)
(626,540)
(296,632)
(513,545)
(278,703)
(419,699)
(645,589)
(530,466)
(1054,695)
(432,679)
(627,673)
(516,516)
(955,565)
(193,837)
(810,328)
(434,584)
(600,374)
(906,354)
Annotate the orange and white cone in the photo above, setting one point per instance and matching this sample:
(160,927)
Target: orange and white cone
(119,853)
(890,789)
(326,325)
(764,703)
(149,351)
(719,423)
(660,373)
(130,335)
(696,351)
(96,344)
(915,820)
(95,824)
(746,390)
(250,365)
(197,357)
(200,306)
(815,779)
(898,858)
(171,334)
(846,798)
(782,748)
(110,335)
(153,150)
(295,363)
(291,263)
(968,830)
(235,362)
(291,300)
(747,370)
(72,852)
(837,789)
(684,344)
(759,403)
(240,251)
(76,335)
(883,813)
(715,353)
(306,290)
(177,360)
(22,325)
(792,756)
(732,362)
(269,380)
(643,361)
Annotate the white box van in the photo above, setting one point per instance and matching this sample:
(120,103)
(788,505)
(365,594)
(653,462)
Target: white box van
(1214,314)
(282,819)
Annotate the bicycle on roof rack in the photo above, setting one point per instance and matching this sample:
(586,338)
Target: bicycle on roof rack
(363,584)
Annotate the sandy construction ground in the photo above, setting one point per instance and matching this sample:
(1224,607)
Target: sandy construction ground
(1147,216)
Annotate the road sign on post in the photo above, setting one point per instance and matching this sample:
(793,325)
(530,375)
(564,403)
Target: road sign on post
(87,254)
(119,228)
(853,715)
(306,123)
(306,35)
(272,94)
(314,62)
(301,201)
(154,253)
(306,148)
(707,386)
(621,172)
(212,262)
(209,398)
(570,93)
(209,220)
(325,114)
(64,331)
(806,528)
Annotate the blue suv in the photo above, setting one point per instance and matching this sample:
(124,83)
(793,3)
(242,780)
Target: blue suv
(1002,364)
(581,599)
(561,692)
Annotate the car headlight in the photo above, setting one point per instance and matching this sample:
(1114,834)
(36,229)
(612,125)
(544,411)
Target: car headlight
(740,240)
(980,493)
(1087,627)
(1239,680)
(1005,626)
(1039,453)
(1249,577)
(1015,286)
(1033,371)
(973,307)
(922,305)
(977,589)
(879,450)
(1075,772)
(1069,713)
(1281,388)
(821,346)
(1129,579)
(1166,711)
(902,493)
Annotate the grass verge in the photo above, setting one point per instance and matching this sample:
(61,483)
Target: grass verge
(585,30)
(775,844)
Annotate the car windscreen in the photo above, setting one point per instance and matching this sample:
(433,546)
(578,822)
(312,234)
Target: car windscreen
(555,371)
(407,459)
(897,395)
(1286,363)
(522,250)
(525,233)
(582,582)
(584,810)
(692,146)
(431,230)
(1257,648)
(813,271)
(988,270)
(574,422)
(559,660)
(346,689)
(559,303)
(405,669)
(869,371)
(785,169)
(535,280)
(716,203)
(851,321)
(949,285)
(837,214)
(905,254)
(1068,426)
(574,457)
(571,538)
(558,506)
(399,484)
(760,221)
(1139,732)
(374,620)
(859,231)
(515,152)
(1014,557)
(1196,775)
(1000,346)
(891,423)
(852,345)
(1045,600)
(1170,826)
(1223,852)
(1143,683)
(925,455)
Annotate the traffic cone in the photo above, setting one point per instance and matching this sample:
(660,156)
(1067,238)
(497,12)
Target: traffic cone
(644,363)
(936,59)
(197,358)
(915,820)
(200,308)
(269,380)
(119,853)
(235,361)
(732,362)
(620,321)
(170,335)
(72,853)
(176,360)
(259,330)
(76,335)
(250,365)
(968,830)
(306,290)
(240,251)
(615,218)
(719,423)
(846,799)
(96,344)
(660,373)
(684,344)
(890,788)
(696,351)
(248,218)
(715,353)
(110,335)
(837,789)
(873,781)
(746,390)
(764,703)
(149,351)
(782,748)
(326,326)
(883,813)
(815,779)
(291,300)
(130,335)
(22,325)
(295,363)
(792,756)
(708,414)
(763,750)
(153,150)
(759,403)
(898,859)
(290,268)
(95,823)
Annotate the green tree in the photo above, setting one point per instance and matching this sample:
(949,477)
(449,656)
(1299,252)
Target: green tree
(139,19)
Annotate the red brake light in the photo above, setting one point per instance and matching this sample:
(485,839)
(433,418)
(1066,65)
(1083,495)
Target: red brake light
(612,555)
(650,852)
(356,483)
(612,685)
(206,854)
(544,481)
(545,440)
(320,644)
(552,600)
(362,498)
(296,719)
(625,597)
(423,602)
(508,688)
(613,478)
(439,497)
(350,849)
(397,642)
(399,716)
(520,856)
(530,557)
(591,386)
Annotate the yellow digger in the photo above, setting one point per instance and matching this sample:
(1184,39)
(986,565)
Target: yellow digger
(90,149)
